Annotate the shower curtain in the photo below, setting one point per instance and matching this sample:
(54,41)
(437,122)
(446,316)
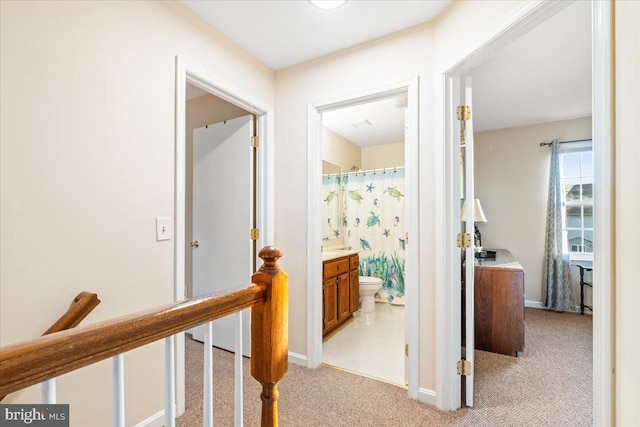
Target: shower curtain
(331,207)
(373,216)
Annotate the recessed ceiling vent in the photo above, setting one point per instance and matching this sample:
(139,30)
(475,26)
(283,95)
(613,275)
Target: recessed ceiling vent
(361,123)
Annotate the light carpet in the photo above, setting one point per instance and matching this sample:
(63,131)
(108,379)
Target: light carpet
(549,384)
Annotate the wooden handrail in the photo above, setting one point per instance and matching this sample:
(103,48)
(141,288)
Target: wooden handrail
(31,362)
(28,363)
(80,307)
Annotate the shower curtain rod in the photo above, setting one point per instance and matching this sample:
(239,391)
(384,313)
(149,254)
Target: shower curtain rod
(542,144)
(383,170)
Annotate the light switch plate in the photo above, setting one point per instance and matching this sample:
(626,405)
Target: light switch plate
(163,228)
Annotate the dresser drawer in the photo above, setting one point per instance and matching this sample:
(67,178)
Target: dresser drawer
(335,268)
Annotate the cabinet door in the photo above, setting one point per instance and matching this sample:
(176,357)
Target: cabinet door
(354,295)
(344,304)
(330,304)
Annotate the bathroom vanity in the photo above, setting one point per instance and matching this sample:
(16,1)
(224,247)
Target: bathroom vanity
(340,289)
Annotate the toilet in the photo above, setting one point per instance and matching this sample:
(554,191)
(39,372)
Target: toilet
(368,287)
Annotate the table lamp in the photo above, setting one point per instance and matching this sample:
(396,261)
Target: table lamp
(478,216)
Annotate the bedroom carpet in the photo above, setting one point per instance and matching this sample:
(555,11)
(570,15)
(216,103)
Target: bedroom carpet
(549,384)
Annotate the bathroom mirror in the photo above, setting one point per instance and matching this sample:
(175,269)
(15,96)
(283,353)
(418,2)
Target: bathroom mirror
(331,202)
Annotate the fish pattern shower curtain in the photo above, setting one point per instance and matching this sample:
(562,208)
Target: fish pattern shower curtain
(331,189)
(373,219)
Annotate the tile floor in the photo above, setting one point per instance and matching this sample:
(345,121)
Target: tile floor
(371,344)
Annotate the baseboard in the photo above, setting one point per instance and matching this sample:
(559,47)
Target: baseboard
(155,420)
(297,359)
(534,304)
(427,396)
(538,304)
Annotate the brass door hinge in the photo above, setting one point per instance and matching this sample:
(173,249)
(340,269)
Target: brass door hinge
(463,367)
(255,141)
(406,350)
(255,234)
(464,240)
(463,112)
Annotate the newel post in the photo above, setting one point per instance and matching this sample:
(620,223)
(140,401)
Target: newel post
(269,332)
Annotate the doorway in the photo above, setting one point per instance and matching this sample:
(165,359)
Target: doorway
(190,74)
(528,19)
(218,206)
(314,221)
(363,199)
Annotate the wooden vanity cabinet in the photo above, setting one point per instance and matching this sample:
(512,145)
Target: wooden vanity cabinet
(329,305)
(340,291)
(354,295)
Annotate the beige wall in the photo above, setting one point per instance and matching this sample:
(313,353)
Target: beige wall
(336,75)
(87,159)
(201,111)
(511,181)
(339,150)
(383,156)
(627,205)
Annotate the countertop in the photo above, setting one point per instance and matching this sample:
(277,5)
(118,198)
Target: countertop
(503,259)
(328,255)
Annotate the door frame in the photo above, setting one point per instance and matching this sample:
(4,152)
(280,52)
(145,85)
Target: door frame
(447,296)
(407,86)
(193,73)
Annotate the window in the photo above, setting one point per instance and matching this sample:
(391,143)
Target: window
(577,181)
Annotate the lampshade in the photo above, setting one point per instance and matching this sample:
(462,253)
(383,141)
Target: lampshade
(478,214)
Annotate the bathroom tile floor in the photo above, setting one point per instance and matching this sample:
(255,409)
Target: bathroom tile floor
(371,344)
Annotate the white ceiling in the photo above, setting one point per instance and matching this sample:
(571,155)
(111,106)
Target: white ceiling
(282,33)
(543,76)
(386,117)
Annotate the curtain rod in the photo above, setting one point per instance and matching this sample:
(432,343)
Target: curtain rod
(362,172)
(374,171)
(542,144)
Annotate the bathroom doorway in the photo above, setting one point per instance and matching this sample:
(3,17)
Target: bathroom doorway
(363,219)
(410,349)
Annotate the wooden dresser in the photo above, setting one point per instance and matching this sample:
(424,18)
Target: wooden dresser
(499,304)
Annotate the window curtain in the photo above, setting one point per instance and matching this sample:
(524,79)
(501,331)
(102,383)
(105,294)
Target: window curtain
(557,289)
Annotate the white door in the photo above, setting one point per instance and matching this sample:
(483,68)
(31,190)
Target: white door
(222,219)
(469,198)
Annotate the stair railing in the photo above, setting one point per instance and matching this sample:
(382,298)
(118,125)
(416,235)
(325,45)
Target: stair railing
(80,307)
(32,362)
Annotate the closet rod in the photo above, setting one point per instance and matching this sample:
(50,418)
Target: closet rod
(542,144)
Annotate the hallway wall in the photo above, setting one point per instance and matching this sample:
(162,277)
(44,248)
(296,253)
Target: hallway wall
(87,161)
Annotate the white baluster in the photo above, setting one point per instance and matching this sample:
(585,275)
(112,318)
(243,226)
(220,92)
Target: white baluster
(117,411)
(169,382)
(48,392)
(207,403)
(238,401)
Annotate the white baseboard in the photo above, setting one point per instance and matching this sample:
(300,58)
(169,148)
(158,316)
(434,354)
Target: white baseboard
(534,304)
(297,359)
(427,396)
(538,304)
(155,420)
